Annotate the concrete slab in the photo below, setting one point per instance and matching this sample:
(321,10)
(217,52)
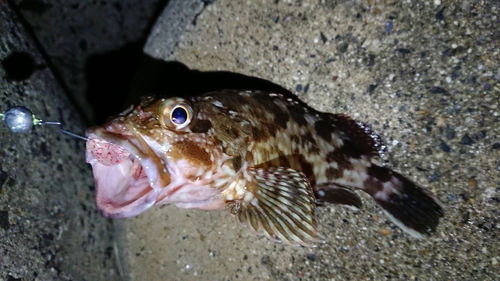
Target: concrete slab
(424,74)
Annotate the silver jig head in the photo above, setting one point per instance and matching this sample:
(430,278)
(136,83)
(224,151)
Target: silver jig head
(20,119)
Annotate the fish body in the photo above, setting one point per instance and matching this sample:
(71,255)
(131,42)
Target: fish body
(266,158)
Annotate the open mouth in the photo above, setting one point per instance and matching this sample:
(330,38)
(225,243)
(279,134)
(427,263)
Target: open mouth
(128,173)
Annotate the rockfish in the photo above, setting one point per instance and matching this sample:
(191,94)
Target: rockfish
(266,158)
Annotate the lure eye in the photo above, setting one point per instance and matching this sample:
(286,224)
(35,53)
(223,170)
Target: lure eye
(175,113)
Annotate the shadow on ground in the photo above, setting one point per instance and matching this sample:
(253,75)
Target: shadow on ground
(119,78)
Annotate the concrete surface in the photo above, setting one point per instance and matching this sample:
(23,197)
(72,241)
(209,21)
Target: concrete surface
(424,74)
(49,226)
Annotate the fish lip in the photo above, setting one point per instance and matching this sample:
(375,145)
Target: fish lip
(125,196)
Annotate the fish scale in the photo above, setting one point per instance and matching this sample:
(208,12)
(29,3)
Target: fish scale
(267,158)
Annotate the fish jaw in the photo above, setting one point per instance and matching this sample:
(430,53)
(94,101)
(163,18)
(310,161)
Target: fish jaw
(118,194)
(129,176)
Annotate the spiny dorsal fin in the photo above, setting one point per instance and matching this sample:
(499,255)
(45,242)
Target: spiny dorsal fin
(282,206)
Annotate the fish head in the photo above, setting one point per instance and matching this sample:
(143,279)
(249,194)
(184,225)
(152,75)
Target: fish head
(152,153)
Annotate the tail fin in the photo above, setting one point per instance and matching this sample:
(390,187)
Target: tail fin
(415,210)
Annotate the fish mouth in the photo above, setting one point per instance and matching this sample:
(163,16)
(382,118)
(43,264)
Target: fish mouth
(128,173)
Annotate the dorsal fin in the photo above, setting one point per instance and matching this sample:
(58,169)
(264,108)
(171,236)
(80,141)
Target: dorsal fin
(281,206)
(360,134)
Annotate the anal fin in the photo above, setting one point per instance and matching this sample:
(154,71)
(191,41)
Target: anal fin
(281,206)
(337,194)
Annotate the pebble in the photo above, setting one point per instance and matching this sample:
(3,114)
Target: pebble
(389,26)
(465,5)
(435,177)
(444,146)
(343,47)
(403,51)
(450,133)
(323,37)
(371,88)
(437,90)
(467,140)
(472,182)
(439,15)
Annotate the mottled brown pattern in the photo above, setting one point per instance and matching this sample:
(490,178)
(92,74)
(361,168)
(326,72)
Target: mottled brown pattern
(201,126)
(258,134)
(351,150)
(333,174)
(324,130)
(365,141)
(339,156)
(306,141)
(307,168)
(310,138)
(227,131)
(283,161)
(330,157)
(297,139)
(382,174)
(281,117)
(314,149)
(373,185)
(297,114)
(296,162)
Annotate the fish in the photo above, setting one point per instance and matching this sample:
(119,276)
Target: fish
(269,159)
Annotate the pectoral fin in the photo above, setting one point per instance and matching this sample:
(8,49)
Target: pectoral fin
(279,204)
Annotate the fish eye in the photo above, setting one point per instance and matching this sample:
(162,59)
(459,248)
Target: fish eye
(175,113)
(179,115)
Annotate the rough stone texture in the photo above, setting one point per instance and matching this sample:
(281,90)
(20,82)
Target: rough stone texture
(49,226)
(422,73)
(174,21)
(70,31)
